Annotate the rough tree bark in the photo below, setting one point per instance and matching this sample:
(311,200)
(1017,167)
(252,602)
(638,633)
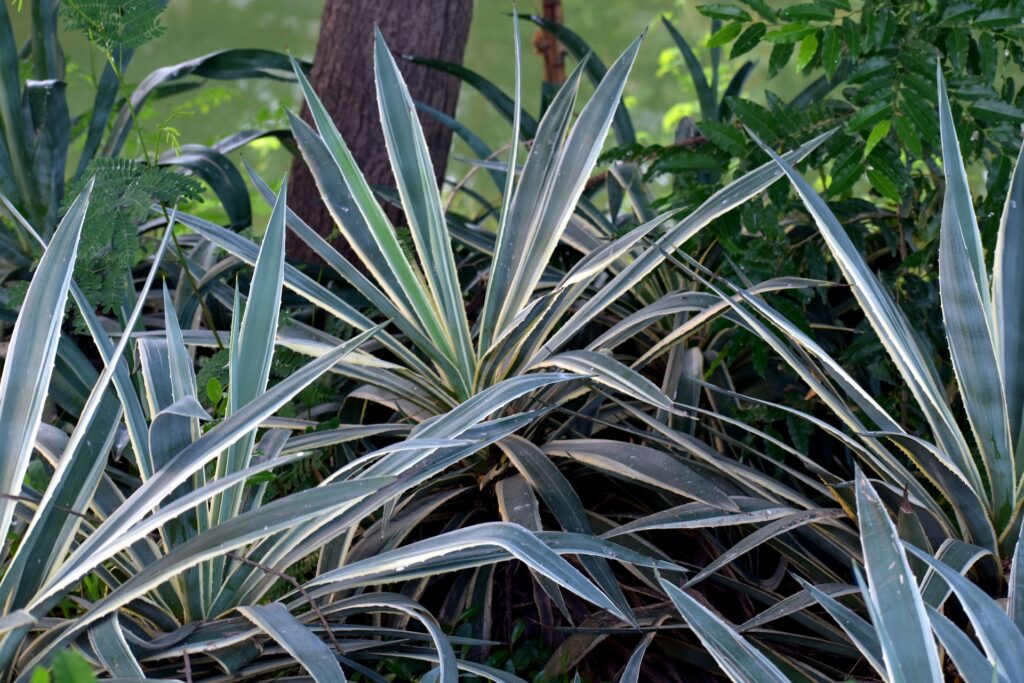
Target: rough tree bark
(343,77)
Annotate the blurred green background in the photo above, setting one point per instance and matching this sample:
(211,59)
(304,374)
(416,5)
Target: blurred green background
(659,92)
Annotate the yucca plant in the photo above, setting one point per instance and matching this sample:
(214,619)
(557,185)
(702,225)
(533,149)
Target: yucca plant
(960,503)
(624,196)
(82,522)
(904,590)
(960,495)
(447,357)
(152,578)
(964,475)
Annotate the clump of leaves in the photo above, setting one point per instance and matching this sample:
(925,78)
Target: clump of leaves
(112,24)
(124,193)
(879,59)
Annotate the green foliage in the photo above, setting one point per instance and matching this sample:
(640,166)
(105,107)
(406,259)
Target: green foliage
(872,68)
(631,406)
(213,379)
(69,666)
(39,132)
(879,58)
(124,194)
(869,71)
(115,24)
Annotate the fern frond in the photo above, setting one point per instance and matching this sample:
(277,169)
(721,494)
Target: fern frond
(112,24)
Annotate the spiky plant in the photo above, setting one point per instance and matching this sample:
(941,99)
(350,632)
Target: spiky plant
(447,357)
(173,570)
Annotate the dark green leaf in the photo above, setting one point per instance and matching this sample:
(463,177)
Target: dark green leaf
(705,95)
(831,48)
(881,182)
(762,8)
(724,12)
(845,172)
(755,117)
(808,12)
(748,40)
(998,18)
(729,138)
(996,110)
(781,53)
(958,11)
(869,115)
(851,33)
(871,68)
(908,135)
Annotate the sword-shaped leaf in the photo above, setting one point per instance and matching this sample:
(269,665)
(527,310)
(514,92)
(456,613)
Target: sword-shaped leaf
(31,352)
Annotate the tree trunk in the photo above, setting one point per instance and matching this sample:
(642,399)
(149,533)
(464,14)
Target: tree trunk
(547,45)
(343,78)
